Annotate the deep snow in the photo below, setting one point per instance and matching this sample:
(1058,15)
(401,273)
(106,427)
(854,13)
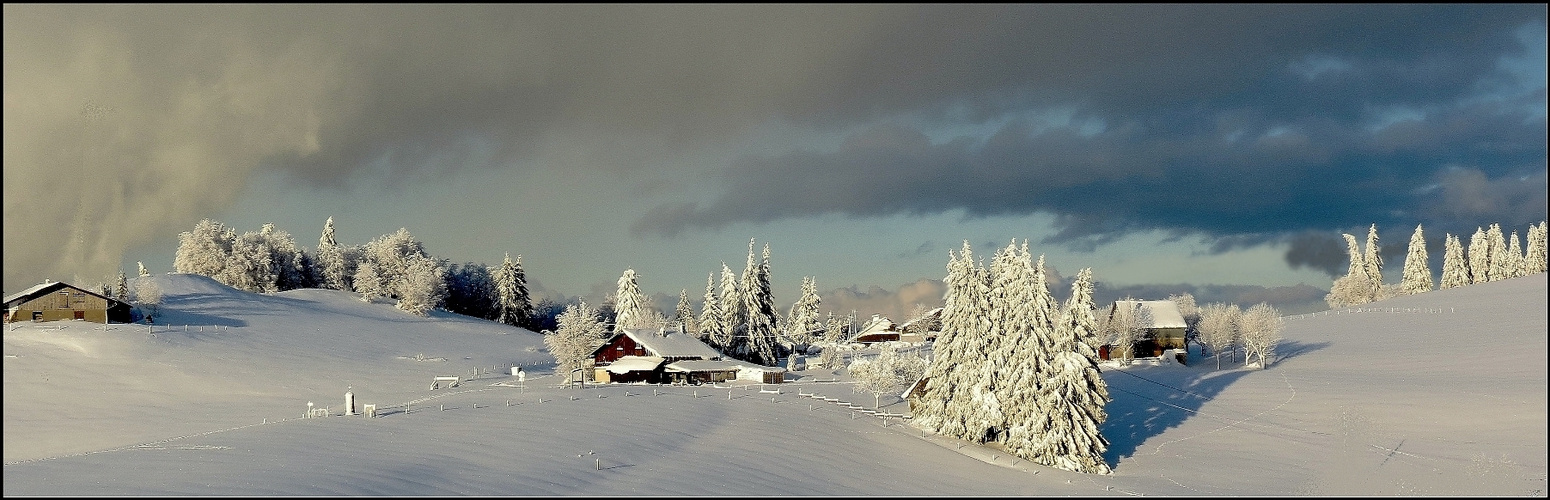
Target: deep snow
(1442,393)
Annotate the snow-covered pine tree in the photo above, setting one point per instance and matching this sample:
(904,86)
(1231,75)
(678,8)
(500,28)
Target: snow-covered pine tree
(712,330)
(1534,258)
(1417,277)
(1027,371)
(121,291)
(1372,258)
(834,329)
(507,310)
(143,272)
(1455,270)
(683,314)
(802,323)
(334,271)
(290,265)
(1219,328)
(1515,257)
(734,316)
(522,299)
(1082,316)
(578,334)
(148,297)
(1355,287)
(1499,264)
(205,250)
(1072,396)
(763,319)
(1020,350)
(1479,257)
(630,308)
(956,362)
(1261,327)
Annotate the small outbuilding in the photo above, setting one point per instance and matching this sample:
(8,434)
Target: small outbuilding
(879,329)
(57,301)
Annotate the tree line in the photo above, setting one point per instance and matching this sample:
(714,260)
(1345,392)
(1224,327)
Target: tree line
(1489,257)
(393,266)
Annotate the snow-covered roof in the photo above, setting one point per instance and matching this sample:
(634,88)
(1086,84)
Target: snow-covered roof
(878,323)
(672,344)
(628,364)
(49,286)
(934,313)
(1165,313)
(701,365)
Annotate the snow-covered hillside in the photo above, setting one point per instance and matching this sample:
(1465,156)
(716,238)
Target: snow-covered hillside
(1442,393)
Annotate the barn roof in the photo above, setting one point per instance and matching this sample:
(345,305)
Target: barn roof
(671,344)
(49,287)
(628,364)
(1165,313)
(701,365)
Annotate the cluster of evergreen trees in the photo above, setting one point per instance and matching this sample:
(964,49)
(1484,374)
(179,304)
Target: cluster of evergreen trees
(393,266)
(1014,367)
(1490,257)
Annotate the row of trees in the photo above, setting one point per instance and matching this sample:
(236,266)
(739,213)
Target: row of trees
(1490,257)
(1014,367)
(393,266)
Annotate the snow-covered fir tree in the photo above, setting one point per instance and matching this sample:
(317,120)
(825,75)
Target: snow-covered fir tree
(683,315)
(205,249)
(1260,330)
(1023,314)
(1514,260)
(763,319)
(957,354)
(834,329)
(1372,258)
(422,286)
(1417,276)
(513,305)
(1479,257)
(712,330)
(334,265)
(1219,329)
(630,308)
(802,323)
(734,316)
(1534,257)
(121,291)
(1356,286)
(1500,267)
(579,333)
(1082,316)
(1455,269)
(1027,312)
(144,272)
(1072,396)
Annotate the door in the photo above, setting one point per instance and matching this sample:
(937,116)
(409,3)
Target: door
(80,314)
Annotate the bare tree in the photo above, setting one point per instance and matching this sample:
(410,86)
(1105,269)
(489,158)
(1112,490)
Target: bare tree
(1126,322)
(1219,328)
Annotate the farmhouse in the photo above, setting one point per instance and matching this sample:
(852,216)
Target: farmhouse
(922,329)
(879,329)
(1166,331)
(56,301)
(668,356)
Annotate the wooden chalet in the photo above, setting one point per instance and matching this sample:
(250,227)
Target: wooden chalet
(879,329)
(915,392)
(644,355)
(1165,333)
(57,301)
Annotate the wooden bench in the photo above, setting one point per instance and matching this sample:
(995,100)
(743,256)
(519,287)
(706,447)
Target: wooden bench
(451,382)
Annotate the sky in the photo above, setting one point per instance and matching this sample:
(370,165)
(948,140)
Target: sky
(215,412)
(1181,145)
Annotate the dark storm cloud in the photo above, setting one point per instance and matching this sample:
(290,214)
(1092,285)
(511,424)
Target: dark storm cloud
(1219,120)
(171,108)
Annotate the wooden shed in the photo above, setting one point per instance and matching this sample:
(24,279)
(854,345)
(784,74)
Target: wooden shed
(56,301)
(878,329)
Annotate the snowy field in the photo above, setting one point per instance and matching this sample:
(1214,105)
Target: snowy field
(1442,393)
